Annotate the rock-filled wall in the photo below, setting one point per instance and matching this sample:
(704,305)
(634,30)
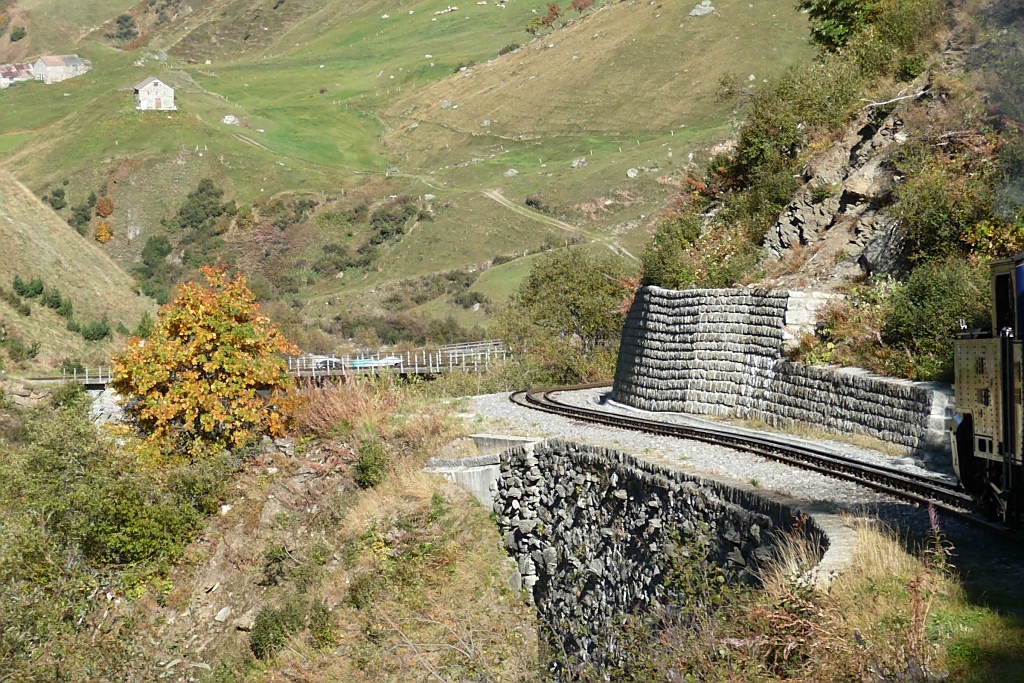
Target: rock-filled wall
(594,531)
(720,352)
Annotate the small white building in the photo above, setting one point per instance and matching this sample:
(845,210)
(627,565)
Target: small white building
(54,69)
(153,93)
(15,73)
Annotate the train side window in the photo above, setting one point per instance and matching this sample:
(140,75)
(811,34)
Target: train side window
(1005,314)
(979,366)
(982,445)
(984,396)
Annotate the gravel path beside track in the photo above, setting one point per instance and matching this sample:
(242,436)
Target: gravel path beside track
(696,457)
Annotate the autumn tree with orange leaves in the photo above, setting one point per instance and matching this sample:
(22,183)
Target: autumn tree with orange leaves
(210,376)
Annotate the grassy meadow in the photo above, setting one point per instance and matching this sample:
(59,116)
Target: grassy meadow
(330,95)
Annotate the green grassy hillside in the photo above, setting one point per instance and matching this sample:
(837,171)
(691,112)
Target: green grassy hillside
(330,95)
(37,244)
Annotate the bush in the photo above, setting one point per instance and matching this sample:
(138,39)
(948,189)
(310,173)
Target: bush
(18,33)
(468,299)
(96,330)
(940,205)
(145,327)
(68,395)
(66,309)
(51,298)
(664,262)
(28,288)
(80,217)
(104,207)
(272,627)
(125,30)
(835,22)
(565,319)
(372,465)
(103,232)
(924,313)
(56,198)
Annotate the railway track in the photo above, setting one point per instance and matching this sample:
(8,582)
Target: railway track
(905,485)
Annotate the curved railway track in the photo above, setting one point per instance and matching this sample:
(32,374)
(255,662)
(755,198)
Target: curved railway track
(908,486)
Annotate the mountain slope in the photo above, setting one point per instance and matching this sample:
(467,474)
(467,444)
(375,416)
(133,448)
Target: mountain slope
(37,243)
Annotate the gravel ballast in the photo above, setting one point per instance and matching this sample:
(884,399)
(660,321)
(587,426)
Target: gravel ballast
(697,457)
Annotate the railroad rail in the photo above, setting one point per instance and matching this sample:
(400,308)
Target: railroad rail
(905,485)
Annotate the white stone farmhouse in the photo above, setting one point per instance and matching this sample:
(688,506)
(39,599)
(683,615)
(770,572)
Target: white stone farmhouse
(153,93)
(15,73)
(54,69)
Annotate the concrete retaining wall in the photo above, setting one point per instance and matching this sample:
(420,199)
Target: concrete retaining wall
(593,532)
(720,352)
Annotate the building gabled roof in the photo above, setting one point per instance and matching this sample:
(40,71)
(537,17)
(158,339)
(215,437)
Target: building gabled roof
(64,60)
(152,79)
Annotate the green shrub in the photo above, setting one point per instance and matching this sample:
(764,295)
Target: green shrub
(824,192)
(664,262)
(835,22)
(817,95)
(73,326)
(362,589)
(68,395)
(18,350)
(16,302)
(145,326)
(272,627)
(66,309)
(80,217)
(18,33)
(28,288)
(372,465)
(924,313)
(937,206)
(56,198)
(323,628)
(468,299)
(51,298)
(96,330)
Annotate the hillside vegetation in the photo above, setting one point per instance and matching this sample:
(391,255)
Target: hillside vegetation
(39,245)
(326,94)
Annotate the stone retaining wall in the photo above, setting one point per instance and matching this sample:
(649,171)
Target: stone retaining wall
(593,532)
(720,352)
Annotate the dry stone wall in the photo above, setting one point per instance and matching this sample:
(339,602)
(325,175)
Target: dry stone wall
(720,352)
(594,533)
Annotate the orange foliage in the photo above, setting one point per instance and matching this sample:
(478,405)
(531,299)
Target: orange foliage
(580,6)
(210,376)
(103,232)
(554,11)
(104,207)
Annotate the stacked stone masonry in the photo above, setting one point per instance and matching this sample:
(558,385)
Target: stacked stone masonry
(593,532)
(720,352)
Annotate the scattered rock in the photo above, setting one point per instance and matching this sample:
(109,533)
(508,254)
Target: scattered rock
(579,163)
(231,120)
(511,173)
(703,9)
(223,614)
(632,173)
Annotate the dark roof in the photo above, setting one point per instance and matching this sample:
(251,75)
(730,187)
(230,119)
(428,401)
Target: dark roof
(142,84)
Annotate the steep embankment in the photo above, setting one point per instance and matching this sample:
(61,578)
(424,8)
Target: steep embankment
(38,244)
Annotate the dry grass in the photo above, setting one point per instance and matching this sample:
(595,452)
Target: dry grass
(806,431)
(361,406)
(874,623)
(423,594)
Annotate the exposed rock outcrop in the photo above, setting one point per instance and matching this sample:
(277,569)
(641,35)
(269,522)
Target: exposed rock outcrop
(839,213)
